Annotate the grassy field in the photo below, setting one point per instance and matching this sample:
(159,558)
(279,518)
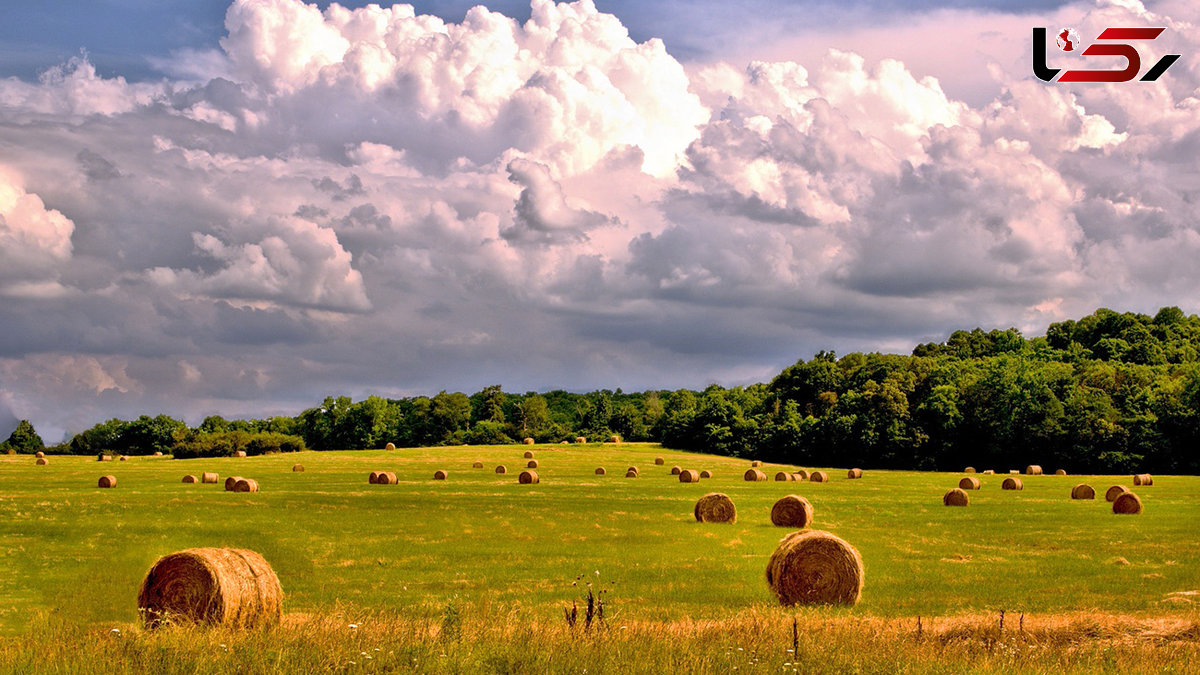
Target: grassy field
(480,553)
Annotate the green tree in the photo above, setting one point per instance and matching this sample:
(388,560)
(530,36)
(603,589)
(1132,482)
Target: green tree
(25,439)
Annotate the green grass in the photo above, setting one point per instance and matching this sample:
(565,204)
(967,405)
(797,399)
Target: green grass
(480,545)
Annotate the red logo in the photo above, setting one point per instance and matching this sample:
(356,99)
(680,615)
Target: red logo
(1068,41)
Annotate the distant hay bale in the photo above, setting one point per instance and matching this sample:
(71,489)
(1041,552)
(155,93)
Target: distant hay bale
(477,465)
(527,441)
(614,439)
(969,483)
(190,479)
(39,454)
(1060,472)
(675,470)
(1114,492)
(803,474)
(209,477)
(581,439)
(715,507)
(373,479)
(230,482)
(818,477)
(1012,484)
(528,454)
(390,446)
(989,472)
(123,458)
(792,511)
(1014,471)
(1143,479)
(501,469)
(387,478)
(1083,491)
(157,454)
(103,458)
(631,474)
(239,453)
(600,471)
(41,461)
(969,469)
(633,469)
(706,474)
(439,475)
(245,485)
(797,476)
(297,468)
(528,477)
(107,482)
(756,463)
(1033,470)
(689,476)
(531,464)
(956,497)
(1127,503)
(783,476)
(754,475)
(228,587)
(815,567)
(854,473)
(659,461)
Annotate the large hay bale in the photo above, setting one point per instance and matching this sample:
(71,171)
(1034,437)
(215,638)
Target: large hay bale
(1083,491)
(1011,483)
(1114,492)
(528,477)
(528,454)
(754,475)
(245,485)
(217,586)
(1143,479)
(239,453)
(689,476)
(230,482)
(439,475)
(969,483)
(297,468)
(969,469)
(818,477)
(1127,503)
(600,471)
(501,469)
(39,454)
(1060,472)
(675,470)
(107,482)
(802,473)
(956,497)
(783,476)
(41,461)
(756,463)
(706,474)
(581,439)
(1033,470)
(390,446)
(531,464)
(854,473)
(527,441)
(477,465)
(614,439)
(631,474)
(190,479)
(815,567)
(715,507)
(209,477)
(659,461)
(792,511)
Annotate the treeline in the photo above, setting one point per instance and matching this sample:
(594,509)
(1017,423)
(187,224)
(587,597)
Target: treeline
(1111,392)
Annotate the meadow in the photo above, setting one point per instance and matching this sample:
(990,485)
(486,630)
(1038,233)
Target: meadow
(473,573)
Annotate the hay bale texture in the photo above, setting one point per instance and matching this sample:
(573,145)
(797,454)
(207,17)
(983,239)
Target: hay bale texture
(633,469)
(239,453)
(956,497)
(1114,492)
(659,461)
(969,483)
(190,479)
(477,465)
(103,458)
(531,464)
(528,454)
(802,474)
(382,478)
(581,439)
(675,470)
(689,476)
(1143,479)
(527,441)
(41,461)
(1128,504)
(230,482)
(107,482)
(227,587)
(614,439)
(439,475)
(969,469)
(854,473)
(818,477)
(792,511)
(528,477)
(1060,472)
(1083,491)
(501,469)
(706,474)
(39,454)
(783,476)
(600,471)
(754,476)
(715,507)
(756,463)
(390,446)
(631,474)
(989,472)
(1011,483)
(1033,470)
(245,485)
(297,468)
(812,567)
(209,477)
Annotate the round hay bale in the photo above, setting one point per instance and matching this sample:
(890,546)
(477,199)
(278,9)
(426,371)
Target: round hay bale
(107,482)
(756,463)
(239,453)
(123,458)
(815,567)
(956,497)
(818,477)
(659,461)
(374,477)
(614,439)
(297,468)
(39,454)
(706,474)
(527,441)
(245,485)
(1014,471)
(1060,472)
(581,439)
(1143,479)
(439,475)
(600,471)
(477,465)
(1127,503)
(209,477)
(715,507)
(390,446)
(803,474)
(41,461)
(531,464)
(783,476)
(631,474)
(854,473)
(989,472)
(675,470)
(792,511)
(1083,491)
(1114,492)
(190,479)
(217,586)
(103,458)
(969,469)
(528,477)
(387,478)
(969,483)
(1011,483)
(501,469)
(528,454)
(157,454)
(230,482)
(754,475)
(689,476)
(1033,470)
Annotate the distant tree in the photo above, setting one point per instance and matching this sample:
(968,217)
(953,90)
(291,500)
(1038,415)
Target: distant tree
(100,438)
(24,439)
(147,435)
(213,423)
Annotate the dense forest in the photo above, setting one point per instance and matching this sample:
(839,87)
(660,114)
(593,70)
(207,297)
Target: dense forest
(1111,392)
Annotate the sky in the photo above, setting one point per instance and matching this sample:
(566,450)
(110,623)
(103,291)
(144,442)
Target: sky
(240,207)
